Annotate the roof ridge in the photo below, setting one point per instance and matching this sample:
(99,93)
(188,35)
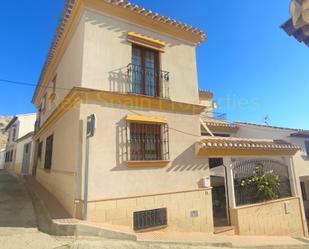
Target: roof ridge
(267,126)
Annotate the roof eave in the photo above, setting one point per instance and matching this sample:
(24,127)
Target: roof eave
(72,5)
(10,123)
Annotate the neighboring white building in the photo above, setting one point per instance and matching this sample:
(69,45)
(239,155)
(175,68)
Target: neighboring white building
(19,146)
(301,158)
(2,158)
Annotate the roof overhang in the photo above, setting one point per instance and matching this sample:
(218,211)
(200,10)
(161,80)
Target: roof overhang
(300,34)
(10,123)
(28,135)
(219,146)
(222,127)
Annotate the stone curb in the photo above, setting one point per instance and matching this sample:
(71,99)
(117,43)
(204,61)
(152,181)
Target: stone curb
(224,244)
(47,225)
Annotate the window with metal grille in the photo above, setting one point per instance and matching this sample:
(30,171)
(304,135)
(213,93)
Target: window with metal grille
(14,133)
(49,152)
(147,141)
(40,146)
(150,219)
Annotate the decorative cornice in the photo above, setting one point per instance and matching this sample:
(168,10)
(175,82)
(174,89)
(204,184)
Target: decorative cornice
(129,100)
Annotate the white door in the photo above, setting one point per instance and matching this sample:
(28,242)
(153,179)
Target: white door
(26,158)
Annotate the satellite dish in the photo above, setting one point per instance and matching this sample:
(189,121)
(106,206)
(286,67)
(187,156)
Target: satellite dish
(214,105)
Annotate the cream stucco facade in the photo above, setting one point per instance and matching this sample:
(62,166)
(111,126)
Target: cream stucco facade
(94,58)
(85,74)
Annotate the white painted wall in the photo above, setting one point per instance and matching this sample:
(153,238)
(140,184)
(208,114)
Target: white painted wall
(26,124)
(2,158)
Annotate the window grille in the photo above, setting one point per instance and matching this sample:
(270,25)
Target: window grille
(49,152)
(147,141)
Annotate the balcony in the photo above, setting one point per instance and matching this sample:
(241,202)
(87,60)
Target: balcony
(140,80)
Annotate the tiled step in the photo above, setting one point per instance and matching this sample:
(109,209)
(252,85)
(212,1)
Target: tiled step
(226,230)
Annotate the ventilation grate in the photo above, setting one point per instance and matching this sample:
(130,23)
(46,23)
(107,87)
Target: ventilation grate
(150,219)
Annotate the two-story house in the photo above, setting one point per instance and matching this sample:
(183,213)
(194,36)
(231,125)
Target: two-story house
(135,70)
(19,144)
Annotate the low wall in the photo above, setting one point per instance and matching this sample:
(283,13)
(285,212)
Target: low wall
(278,217)
(179,206)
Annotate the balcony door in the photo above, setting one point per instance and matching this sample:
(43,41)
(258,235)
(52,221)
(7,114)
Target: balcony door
(145,71)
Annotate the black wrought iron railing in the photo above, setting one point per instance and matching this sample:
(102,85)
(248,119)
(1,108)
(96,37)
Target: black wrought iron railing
(148,81)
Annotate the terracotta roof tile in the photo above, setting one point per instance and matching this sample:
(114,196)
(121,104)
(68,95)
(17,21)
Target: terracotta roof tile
(246,143)
(71,4)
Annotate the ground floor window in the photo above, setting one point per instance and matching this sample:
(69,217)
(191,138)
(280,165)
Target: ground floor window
(147,141)
(40,146)
(9,156)
(49,152)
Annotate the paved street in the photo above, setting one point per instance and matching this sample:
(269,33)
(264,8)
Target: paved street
(18,225)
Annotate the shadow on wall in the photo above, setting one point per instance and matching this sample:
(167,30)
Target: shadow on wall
(119,80)
(122,27)
(187,161)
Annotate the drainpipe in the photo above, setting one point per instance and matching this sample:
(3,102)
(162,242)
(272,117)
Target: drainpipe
(91,126)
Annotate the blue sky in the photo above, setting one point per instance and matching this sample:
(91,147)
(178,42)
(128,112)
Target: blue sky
(250,64)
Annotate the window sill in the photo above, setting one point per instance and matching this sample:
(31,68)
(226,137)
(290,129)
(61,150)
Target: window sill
(146,164)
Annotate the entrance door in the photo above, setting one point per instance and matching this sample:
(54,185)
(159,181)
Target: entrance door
(219,203)
(26,158)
